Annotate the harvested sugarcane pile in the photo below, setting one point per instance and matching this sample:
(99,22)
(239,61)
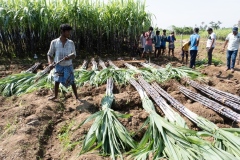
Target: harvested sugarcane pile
(224,138)
(170,114)
(166,140)
(110,135)
(214,95)
(92,77)
(211,104)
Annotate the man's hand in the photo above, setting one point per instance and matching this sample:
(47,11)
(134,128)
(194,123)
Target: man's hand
(66,58)
(223,50)
(51,66)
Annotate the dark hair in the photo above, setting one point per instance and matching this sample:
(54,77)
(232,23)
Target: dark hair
(164,30)
(157,32)
(196,30)
(65,27)
(150,28)
(209,29)
(172,32)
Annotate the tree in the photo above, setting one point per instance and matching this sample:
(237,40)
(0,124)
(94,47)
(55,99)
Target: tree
(215,25)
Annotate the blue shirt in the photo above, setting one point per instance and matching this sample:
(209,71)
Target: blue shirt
(171,39)
(157,40)
(163,40)
(193,39)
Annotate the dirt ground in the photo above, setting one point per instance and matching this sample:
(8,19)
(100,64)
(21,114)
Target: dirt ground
(31,127)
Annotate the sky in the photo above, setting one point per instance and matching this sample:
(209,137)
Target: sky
(190,12)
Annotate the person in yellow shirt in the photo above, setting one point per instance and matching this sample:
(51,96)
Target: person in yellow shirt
(185,49)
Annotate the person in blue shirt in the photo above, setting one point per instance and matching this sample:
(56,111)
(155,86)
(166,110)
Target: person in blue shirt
(163,42)
(157,42)
(194,42)
(171,39)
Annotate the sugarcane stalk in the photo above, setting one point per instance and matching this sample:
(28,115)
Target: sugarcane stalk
(230,141)
(228,96)
(50,67)
(164,138)
(214,95)
(210,104)
(170,114)
(102,64)
(33,68)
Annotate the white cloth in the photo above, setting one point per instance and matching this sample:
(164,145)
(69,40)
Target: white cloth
(233,41)
(211,37)
(142,41)
(58,51)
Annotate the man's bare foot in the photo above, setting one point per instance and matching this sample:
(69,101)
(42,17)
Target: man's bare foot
(52,98)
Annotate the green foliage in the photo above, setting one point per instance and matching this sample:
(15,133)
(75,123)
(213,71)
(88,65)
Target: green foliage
(28,26)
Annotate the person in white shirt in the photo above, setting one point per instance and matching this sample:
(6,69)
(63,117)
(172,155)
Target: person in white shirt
(233,41)
(142,41)
(61,48)
(210,44)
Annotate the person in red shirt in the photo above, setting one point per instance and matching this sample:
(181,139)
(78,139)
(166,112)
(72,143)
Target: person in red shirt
(148,45)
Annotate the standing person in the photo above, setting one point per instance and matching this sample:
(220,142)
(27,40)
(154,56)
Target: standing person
(148,45)
(142,41)
(61,48)
(233,40)
(171,39)
(194,42)
(185,49)
(163,42)
(210,44)
(157,41)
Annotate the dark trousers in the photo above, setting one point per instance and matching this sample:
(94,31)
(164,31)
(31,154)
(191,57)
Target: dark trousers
(231,55)
(193,54)
(209,51)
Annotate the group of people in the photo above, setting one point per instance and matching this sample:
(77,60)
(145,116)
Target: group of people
(160,41)
(232,40)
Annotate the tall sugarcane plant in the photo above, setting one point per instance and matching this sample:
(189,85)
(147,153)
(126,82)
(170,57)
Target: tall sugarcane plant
(110,135)
(28,26)
(166,140)
(225,138)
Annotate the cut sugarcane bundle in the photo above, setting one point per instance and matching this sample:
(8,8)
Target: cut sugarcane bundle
(214,95)
(102,64)
(223,138)
(166,140)
(210,104)
(34,67)
(112,64)
(170,114)
(84,65)
(110,135)
(145,73)
(156,66)
(229,96)
(94,65)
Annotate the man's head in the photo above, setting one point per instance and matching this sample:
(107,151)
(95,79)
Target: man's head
(164,31)
(157,32)
(209,30)
(65,30)
(235,30)
(172,33)
(150,29)
(196,30)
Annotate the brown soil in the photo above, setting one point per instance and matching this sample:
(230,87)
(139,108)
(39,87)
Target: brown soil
(31,127)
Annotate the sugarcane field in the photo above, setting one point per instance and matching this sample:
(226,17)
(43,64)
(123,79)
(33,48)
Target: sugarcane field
(115,79)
